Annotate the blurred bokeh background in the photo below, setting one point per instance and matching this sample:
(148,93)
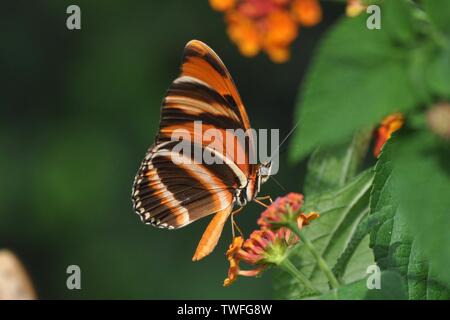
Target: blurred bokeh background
(79,110)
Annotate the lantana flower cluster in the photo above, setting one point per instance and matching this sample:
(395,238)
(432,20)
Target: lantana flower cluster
(268,245)
(267,25)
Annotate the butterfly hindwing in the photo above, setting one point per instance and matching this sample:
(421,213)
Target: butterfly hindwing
(171,195)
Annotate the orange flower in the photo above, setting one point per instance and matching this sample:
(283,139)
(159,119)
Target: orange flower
(256,250)
(222,5)
(354,8)
(275,213)
(283,210)
(281,29)
(278,54)
(268,245)
(305,219)
(231,254)
(281,32)
(307,12)
(389,125)
(257,8)
(244,32)
(268,25)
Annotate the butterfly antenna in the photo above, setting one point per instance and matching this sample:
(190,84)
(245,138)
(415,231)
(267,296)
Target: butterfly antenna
(284,140)
(279,184)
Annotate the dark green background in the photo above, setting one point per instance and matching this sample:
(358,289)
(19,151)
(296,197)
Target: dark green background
(79,110)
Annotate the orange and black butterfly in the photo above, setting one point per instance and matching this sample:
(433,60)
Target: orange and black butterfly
(172,195)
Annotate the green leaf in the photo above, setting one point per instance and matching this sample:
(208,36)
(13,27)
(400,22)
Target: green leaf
(439,13)
(394,247)
(359,239)
(419,69)
(392,288)
(421,168)
(438,75)
(333,167)
(398,20)
(340,212)
(358,77)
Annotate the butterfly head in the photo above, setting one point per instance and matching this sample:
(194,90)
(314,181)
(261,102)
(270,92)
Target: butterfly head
(265,170)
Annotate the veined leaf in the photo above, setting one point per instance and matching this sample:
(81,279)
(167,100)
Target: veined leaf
(421,168)
(358,77)
(393,245)
(392,288)
(330,169)
(341,211)
(333,167)
(359,239)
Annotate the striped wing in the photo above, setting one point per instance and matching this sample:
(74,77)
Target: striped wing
(172,195)
(205,91)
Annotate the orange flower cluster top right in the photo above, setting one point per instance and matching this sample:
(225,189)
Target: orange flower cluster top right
(267,25)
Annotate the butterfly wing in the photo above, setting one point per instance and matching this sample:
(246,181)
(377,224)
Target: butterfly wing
(205,91)
(170,195)
(212,234)
(205,79)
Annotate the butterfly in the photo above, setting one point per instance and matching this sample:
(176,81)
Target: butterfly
(172,194)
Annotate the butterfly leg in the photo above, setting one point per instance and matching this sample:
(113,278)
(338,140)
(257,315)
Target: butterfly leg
(234,224)
(261,203)
(265,198)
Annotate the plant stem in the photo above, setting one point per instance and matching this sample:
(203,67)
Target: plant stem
(334,283)
(289,267)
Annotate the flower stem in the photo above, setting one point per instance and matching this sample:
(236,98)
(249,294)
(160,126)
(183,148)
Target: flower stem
(289,267)
(334,283)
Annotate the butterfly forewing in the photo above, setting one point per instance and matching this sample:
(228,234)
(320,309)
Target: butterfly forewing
(202,64)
